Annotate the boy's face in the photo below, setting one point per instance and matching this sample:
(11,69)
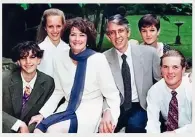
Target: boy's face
(172,71)
(149,34)
(29,63)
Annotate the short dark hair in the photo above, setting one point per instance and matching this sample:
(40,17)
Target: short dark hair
(22,49)
(174,53)
(119,20)
(149,20)
(84,26)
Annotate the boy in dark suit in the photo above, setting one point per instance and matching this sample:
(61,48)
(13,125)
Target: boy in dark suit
(25,89)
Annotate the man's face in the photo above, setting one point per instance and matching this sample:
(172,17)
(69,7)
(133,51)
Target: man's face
(172,71)
(149,34)
(118,35)
(29,63)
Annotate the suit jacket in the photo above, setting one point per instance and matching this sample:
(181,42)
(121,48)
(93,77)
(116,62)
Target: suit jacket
(13,93)
(146,65)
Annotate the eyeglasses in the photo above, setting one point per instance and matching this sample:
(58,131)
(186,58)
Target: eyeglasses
(114,32)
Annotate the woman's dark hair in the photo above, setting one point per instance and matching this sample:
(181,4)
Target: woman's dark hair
(84,26)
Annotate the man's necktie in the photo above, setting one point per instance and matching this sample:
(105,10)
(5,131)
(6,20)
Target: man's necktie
(127,83)
(172,120)
(26,96)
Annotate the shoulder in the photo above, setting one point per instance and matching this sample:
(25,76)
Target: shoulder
(97,56)
(45,77)
(157,88)
(146,51)
(108,52)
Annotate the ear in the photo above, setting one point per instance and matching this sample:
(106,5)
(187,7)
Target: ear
(38,61)
(18,62)
(158,32)
(129,33)
(183,70)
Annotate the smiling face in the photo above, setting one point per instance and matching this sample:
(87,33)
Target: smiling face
(149,35)
(118,36)
(54,27)
(172,71)
(77,40)
(29,63)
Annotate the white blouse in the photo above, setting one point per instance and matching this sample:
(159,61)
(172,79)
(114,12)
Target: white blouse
(50,51)
(99,83)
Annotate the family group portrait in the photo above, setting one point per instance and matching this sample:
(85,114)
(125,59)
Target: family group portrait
(97,68)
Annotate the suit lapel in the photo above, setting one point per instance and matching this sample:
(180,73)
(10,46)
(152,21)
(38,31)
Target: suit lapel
(114,64)
(36,93)
(16,92)
(137,60)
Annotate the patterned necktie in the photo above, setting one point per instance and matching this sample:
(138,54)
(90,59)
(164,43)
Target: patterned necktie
(127,83)
(172,120)
(26,96)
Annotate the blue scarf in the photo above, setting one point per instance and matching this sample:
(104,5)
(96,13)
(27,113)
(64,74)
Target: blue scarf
(75,97)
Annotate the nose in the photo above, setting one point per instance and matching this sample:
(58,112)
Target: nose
(27,60)
(54,29)
(77,38)
(147,33)
(117,34)
(170,70)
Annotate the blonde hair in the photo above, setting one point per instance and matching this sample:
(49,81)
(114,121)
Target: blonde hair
(41,32)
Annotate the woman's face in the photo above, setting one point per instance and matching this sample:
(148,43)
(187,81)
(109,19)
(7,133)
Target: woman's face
(77,40)
(149,35)
(54,27)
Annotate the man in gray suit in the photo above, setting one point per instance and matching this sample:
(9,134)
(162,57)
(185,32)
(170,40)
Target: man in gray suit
(25,89)
(134,68)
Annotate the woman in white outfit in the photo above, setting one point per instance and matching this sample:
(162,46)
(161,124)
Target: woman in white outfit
(98,83)
(49,38)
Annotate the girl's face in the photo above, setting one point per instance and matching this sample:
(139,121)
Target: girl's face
(149,35)
(54,27)
(77,40)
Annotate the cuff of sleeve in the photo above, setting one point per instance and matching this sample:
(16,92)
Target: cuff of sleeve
(17,125)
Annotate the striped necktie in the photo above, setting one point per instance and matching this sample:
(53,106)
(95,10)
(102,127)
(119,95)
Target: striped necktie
(26,96)
(172,120)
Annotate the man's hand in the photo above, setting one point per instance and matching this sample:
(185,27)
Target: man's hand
(23,128)
(36,119)
(107,123)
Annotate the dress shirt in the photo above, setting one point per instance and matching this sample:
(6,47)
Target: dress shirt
(129,61)
(16,126)
(50,51)
(158,100)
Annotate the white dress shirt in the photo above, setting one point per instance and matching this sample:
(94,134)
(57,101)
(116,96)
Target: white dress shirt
(30,84)
(50,51)
(129,61)
(99,83)
(158,100)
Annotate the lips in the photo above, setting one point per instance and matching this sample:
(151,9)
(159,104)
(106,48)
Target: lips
(28,66)
(119,41)
(170,77)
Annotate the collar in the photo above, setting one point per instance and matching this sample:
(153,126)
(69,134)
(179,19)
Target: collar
(31,83)
(127,52)
(178,89)
(49,41)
